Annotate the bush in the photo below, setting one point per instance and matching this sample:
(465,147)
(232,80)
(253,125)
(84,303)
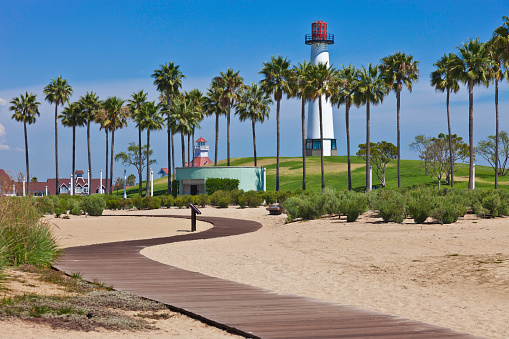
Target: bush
(224,184)
(490,203)
(353,205)
(93,205)
(223,202)
(421,204)
(45,205)
(137,202)
(59,211)
(235,195)
(391,206)
(330,201)
(203,200)
(242,201)
(175,188)
(76,210)
(151,203)
(269,197)
(180,201)
(219,195)
(447,212)
(253,200)
(306,207)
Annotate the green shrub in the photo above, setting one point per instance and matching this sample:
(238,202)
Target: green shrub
(235,195)
(180,201)
(391,206)
(59,211)
(223,202)
(76,210)
(187,200)
(224,184)
(203,200)
(175,188)
(306,207)
(151,203)
(447,212)
(242,201)
(137,202)
(219,195)
(45,205)
(253,200)
(269,197)
(352,205)
(93,205)
(330,201)
(421,203)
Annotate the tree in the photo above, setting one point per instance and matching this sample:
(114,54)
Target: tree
(231,84)
(368,89)
(71,117)
(135,106)
(445,78)
(276,75)
(26,110)
(185,116)
(168,79)
(119,182)
(381,154)
(474,58)
(436,156)
(34,179)
(197,99)
(254,106)
(212,106)
(58,92)
(131,180)
(102,119)
(152,120)
(321,85)
(345,95)
(488,150)
(398,70)
(131,158)
(300,88)
(89,105)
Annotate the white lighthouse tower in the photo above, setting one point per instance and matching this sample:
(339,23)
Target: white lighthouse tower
(320,40)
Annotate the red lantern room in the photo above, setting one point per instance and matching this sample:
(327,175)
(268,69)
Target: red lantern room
(320,33)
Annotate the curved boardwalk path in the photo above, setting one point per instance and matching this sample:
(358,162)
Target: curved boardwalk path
(239,308)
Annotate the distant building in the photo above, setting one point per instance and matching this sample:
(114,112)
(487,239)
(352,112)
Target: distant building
(163,172)
(6,183)
(201,154)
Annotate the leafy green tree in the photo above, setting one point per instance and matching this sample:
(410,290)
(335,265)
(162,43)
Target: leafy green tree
(436,156)
(381,154)
(497,158)
(168,79)
(276,75)
(445,78)
(212,106)
(185,115)
(26,110)
(368,89)
(131,158)
(475,60)
(131,180)
(399,70)
(58,92)
(254,106)
(135,105)
(71,117)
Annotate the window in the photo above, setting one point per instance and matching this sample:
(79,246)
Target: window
(63,189)
(309,144)
(316,144)
(333,144)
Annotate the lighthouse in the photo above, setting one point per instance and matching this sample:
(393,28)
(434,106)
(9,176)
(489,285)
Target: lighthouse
(320,39)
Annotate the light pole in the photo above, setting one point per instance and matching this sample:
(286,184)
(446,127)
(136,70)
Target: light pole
(89,183)
(125,184)
(72,184)
(46,190)
(23,186)
(101,183)
(151,183)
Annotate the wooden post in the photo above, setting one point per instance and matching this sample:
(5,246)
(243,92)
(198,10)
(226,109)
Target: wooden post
(194,211)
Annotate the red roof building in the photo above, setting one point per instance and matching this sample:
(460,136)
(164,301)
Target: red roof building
(201,154)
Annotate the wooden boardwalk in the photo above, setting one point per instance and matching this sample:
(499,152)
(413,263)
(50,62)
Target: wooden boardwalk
(238,308)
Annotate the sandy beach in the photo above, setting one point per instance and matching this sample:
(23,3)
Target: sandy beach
(455,275)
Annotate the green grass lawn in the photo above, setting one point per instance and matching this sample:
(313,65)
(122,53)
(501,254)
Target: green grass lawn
(412,174)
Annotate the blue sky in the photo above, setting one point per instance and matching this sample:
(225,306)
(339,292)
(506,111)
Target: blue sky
(112,47)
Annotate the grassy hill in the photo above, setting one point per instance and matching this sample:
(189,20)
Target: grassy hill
(412,174)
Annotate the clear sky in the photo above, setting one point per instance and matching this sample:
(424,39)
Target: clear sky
(112,48)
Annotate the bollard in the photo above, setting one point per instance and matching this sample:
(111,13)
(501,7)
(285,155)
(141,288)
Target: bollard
(194,211)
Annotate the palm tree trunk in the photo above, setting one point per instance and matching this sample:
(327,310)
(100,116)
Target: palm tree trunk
(188,150)
(277,151)
(496,134)
(217,139)
(368,147)
(321,142)
(450,140)
(471,133)
(74,157)
(183,148)
(140,189)
(347,119)
(147,186)
(26,158)
(89,159)
(398,104)
(228,134)
(106,186)
(168,190)
(303,117)
(254,140)
(56,150)
(192,155)
(173,154)
(111,158)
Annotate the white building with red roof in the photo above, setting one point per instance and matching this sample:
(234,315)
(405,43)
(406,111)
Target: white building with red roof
(201,154)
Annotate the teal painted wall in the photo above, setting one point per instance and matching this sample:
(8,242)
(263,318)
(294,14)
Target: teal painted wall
(250,178)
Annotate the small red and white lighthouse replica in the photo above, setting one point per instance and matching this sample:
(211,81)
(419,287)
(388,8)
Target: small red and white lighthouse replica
(320,39)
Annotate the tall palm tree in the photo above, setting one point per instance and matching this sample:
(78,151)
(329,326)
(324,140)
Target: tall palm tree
(322,86)
(168,79)
(197,100)
(254,106)
(276,81)
(152,121)
(499,53)
(135,106)
(58,92)
(231,84)
(103,119)
(185,116)
(475,60)
(345,95)
(399,70)
(445,78)
(89,105)
(71,117)
(26,110)
(299,86)
(369,89)
(212,106)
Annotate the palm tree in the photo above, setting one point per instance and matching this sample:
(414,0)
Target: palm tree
(322,85)
(152,120)
(369,89)
(276,81)
(58,92)
(71,117)
(254,106)
(103,119)
(135,106)
(89,105)
(186,117)
(299,85)
(168,79)
(445,78)
(499,53)
(475,60)
(398,70)
(26,109)
(231,84)
(212,105)
(197,100)
(345,95)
